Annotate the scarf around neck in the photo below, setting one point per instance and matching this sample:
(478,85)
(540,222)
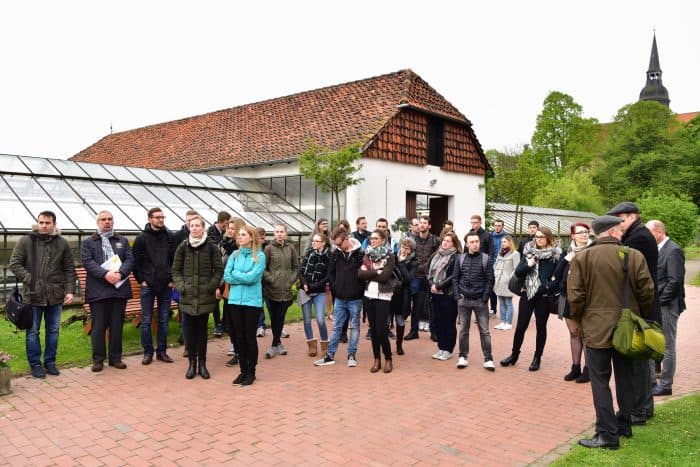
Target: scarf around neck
(438,264)
(196,242)
(106,245)
(375,254)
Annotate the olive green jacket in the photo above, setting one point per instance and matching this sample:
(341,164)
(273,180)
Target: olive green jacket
(197,274)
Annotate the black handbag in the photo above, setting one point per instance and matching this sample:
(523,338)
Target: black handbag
(516,284)
(17,312)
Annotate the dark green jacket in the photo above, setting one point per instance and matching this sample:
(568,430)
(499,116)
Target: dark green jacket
(55,268)
(281,270)
(197,274)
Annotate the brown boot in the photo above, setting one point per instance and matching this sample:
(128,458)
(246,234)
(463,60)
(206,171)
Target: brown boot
(399,339)
(388,365)
(324,347)
(377,366)
(313,348)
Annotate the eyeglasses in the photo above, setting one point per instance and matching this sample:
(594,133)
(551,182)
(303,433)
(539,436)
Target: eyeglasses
(581,232)
(316,241)
(157,217)
(375,238)
(540,236)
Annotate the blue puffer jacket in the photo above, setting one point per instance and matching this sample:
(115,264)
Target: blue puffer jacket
(92,257)
(245,277)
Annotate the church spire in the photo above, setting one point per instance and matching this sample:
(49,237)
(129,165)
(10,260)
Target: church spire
(654,89)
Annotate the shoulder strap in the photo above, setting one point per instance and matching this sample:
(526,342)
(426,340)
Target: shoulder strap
(624,253)
(461,260)
(484,261)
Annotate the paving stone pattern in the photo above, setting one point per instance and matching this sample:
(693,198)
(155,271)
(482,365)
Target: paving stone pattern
(426,412)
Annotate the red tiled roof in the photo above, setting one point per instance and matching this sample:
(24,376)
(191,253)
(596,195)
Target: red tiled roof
(273,130)
(686,117)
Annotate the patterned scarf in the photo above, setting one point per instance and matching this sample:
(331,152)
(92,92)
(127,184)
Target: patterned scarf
(532,280)
(438,264)
(106,246)
(375,254)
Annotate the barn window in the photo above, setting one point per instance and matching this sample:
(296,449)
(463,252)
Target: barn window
(436,141)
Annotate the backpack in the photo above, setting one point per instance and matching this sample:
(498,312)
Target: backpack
(484,261)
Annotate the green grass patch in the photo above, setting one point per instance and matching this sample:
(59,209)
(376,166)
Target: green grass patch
(75,348)
(672,437)
(695,280)
(692,252)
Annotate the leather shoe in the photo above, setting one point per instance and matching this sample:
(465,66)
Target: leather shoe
(164,357)
(535,365)
(599,442)
(659,391)
(411,335)
(510,360)
(376,366)
(638,420)
(97,367)
(625,431)
(388,366)
(147,359)
(119,365)
(51,369)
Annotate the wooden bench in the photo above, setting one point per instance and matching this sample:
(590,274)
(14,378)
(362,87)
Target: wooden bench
(133,305)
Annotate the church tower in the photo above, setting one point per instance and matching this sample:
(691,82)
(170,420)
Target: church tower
(654,90)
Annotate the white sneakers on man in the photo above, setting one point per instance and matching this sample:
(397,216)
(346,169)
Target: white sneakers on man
(499,325)
(507,327)
(445,355)
(490,366)
(462,362)
(437,355)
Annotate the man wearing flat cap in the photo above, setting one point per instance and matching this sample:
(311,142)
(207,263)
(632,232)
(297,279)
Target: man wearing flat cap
(594,289)
(637,236)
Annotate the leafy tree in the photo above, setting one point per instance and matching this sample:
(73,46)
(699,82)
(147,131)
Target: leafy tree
(562,136)
(574,191)
(516,177)
(677,213)
(331,171)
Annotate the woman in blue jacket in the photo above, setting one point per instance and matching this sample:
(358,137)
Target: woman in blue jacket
(244,272)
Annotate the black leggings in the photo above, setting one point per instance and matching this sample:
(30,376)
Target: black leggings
(195,330)
(278,310)
(539,306)
(244,320)
(378,312)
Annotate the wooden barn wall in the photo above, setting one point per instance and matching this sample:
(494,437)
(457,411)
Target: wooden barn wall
(405,140)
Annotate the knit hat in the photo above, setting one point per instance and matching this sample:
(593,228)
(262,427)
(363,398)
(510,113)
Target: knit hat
(604,223)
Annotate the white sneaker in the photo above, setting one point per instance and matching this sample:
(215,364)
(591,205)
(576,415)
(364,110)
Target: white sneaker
(490,366)
(352,363)
(462,362)
(445,355)
(499,325)
(507,327)
(284,334)
(281,350)
(437,355)
(261,332)
(231,351)
(271,352)
(427,326)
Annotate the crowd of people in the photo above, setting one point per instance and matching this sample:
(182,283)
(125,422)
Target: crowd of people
(436,284)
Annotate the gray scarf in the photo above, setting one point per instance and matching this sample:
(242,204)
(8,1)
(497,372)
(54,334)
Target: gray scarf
(195,242)
(106,246)
(438,264)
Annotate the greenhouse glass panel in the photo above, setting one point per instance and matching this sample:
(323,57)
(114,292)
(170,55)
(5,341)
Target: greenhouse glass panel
(71,204)
(219,204)
(172,220)
(96,171)
(12,164)
(167,177)
(188,180)
(293,191)
(296,224)
(36,200)
(120,173)
(207,181)
(249,185)
(40,166)
(144,175)
(230,183)
(259,221)
(126,202)
(12,212)
(195,203)
(167,198)
(99,202)
(68,168)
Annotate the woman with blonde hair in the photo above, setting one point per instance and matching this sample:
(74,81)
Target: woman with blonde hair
(540,258)
(244,272)
(506,262)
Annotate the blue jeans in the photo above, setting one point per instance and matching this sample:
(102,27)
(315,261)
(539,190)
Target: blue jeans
(506,309)
(52,320)
(319,303)
(342,311)
(148,298)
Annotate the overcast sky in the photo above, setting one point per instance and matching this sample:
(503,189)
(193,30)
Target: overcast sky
(72,69)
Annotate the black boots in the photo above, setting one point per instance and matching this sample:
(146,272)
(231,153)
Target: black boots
(535,365)
(411,335)
(203,372)
(510,360)
(192,369)
(399,339)
(583,377)
(574,373)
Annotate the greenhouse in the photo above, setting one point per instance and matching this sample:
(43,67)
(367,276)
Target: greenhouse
(77,191)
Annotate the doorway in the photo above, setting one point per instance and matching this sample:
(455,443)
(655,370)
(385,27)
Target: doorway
(434,206)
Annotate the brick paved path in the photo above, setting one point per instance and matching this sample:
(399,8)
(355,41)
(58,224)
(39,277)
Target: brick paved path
(425,412)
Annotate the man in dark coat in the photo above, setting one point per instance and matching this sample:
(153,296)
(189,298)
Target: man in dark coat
(671,275)
(43,262)
(426,245)
(154,250)
(107,289)
(637,236)
(532,227)
(595,294)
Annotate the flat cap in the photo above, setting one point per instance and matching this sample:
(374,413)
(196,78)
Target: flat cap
(604,223)
(624,207)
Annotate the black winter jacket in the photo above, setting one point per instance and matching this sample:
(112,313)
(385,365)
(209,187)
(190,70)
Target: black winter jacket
(425,247)
(314,270)
(96,287)
(153,258)
(446,286)
(472,280)
(342,272)
(640,238)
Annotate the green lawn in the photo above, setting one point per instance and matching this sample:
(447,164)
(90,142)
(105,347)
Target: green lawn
(672,437)
(74,348)
(692,252)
